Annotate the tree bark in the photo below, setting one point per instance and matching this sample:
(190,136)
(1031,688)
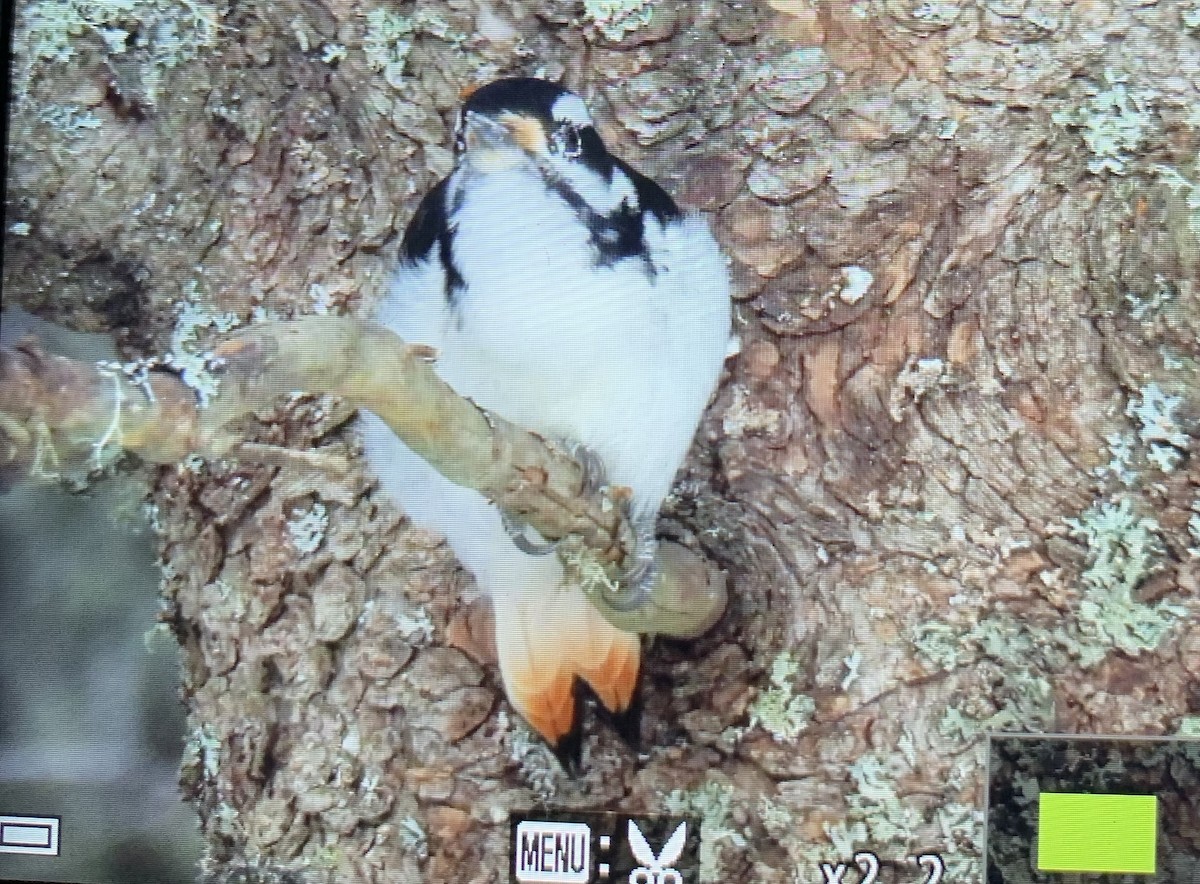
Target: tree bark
(951,472)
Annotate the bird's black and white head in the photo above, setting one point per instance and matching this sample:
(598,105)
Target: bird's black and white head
(527,155)
(528,124)
(510,121)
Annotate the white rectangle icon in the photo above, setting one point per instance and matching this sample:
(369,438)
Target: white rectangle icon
(30,835)
(552,853)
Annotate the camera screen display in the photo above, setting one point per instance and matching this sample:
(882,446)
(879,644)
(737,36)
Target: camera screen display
(577,441)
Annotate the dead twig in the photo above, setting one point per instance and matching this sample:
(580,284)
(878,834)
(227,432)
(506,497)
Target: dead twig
(56,411)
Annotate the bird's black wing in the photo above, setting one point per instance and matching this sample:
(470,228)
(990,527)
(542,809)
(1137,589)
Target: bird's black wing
(651,197)
(430,227)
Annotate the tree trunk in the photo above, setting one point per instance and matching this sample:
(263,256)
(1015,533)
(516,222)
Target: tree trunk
(951,472)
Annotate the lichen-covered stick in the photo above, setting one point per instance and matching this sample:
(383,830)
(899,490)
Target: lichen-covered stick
(56,411)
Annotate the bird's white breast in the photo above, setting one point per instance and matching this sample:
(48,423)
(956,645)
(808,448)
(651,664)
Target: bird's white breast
(607,356)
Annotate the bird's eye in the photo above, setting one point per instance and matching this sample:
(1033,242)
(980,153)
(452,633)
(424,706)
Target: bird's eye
(566,141)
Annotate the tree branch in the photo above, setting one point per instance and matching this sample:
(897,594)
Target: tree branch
(56,411)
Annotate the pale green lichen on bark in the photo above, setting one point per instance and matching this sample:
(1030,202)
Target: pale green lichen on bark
(712,802)
(389,38)
(779,709)
(157,35)
(195,364)
(413,836)
(1124,549)
(1159,426)
(1114,121)
(617,18)
(307,528)
(882,820)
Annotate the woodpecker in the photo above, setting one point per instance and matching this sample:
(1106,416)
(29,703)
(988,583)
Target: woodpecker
(566,292)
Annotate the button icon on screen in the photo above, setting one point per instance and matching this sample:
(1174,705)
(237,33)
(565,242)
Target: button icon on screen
(30,835)
(1082,832)
(562,846)
(553,852)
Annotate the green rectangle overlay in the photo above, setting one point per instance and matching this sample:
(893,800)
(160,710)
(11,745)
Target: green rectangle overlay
(1097,833)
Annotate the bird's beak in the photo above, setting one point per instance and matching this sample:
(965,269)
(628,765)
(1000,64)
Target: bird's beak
(485,134)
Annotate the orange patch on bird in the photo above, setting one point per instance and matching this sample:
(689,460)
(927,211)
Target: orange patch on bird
(615,678)
(526,132)
(550,710)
